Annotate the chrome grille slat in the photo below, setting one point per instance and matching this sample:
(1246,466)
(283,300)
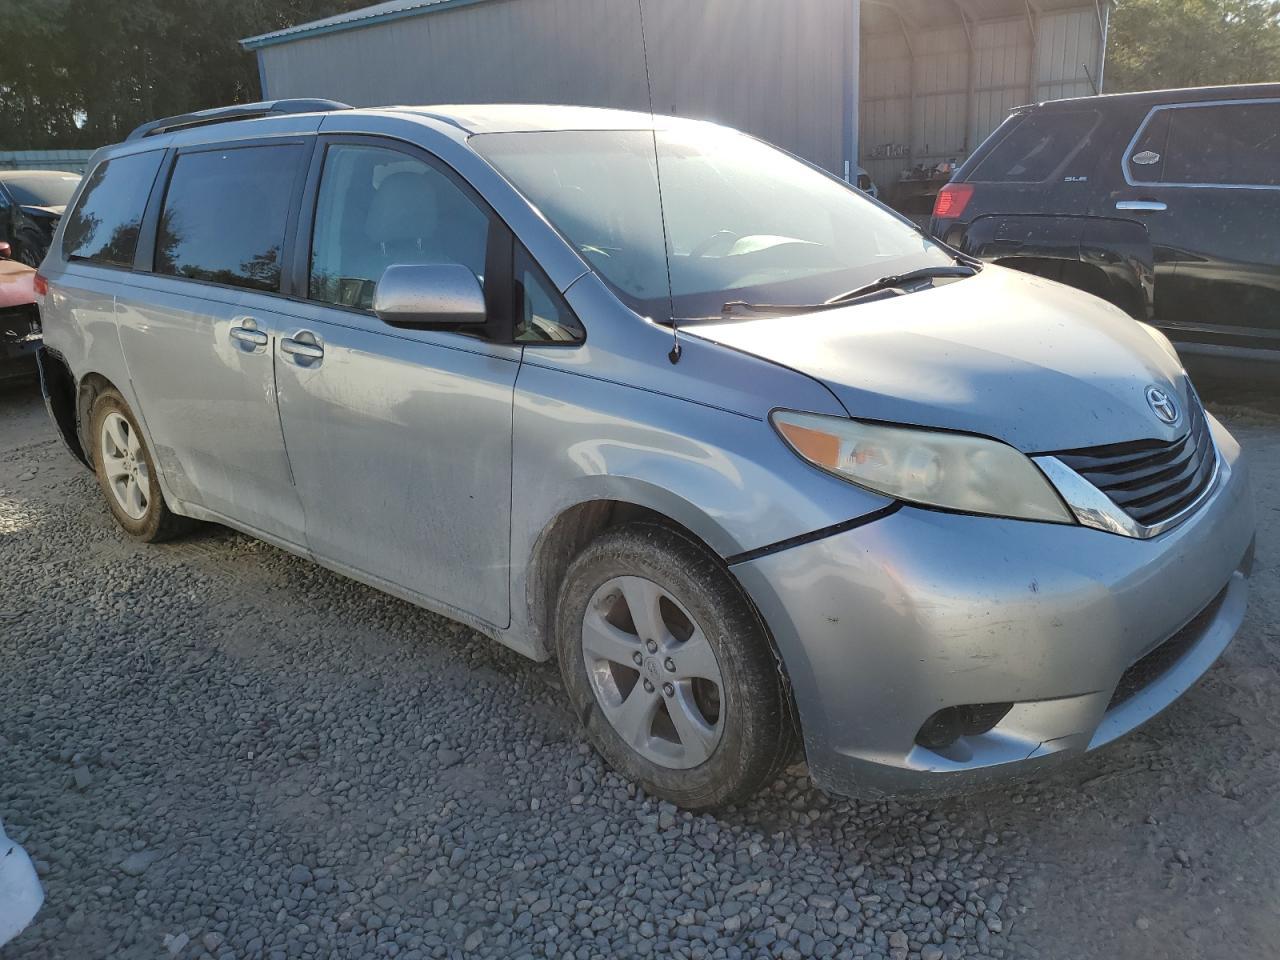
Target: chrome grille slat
(1151,480)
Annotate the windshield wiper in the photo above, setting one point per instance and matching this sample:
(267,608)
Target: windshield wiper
(960,270)
(902,279)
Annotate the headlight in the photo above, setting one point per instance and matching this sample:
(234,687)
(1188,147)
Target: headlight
(947,470)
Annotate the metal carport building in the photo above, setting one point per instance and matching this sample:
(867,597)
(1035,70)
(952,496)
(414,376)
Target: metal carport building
(887,84)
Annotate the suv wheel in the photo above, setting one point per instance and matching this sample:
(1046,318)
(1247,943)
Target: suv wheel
(127,474)
(670,668)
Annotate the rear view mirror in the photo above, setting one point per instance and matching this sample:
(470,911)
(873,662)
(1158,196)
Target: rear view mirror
(6,251)
(429,295)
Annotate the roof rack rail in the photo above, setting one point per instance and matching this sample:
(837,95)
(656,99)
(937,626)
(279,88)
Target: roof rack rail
(243,111)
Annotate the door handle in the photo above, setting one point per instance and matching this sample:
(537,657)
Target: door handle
(247,332)
(1143,206)
(304,346)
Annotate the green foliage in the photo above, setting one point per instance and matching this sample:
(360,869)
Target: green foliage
(81,73)
(1156,44)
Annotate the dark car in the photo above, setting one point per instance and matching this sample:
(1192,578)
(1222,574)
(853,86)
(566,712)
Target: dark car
(31,204)
(19,318)
(1165,203)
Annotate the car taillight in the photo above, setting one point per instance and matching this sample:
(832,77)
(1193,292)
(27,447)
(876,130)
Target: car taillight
(952,199)
(40,284)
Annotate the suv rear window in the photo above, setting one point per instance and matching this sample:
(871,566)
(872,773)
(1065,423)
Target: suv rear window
(104,226)
(1235,144)
(1034,148)
(225,214)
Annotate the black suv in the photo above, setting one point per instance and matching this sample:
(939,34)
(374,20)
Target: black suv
(1165,203)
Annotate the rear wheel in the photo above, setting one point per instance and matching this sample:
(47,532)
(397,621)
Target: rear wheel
(670,668)
(127,474)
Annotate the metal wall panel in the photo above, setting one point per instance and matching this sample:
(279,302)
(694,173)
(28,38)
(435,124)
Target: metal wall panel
(934,93)
(931,87)
(1068,54)
(71,161)
(773,69)
(585,52)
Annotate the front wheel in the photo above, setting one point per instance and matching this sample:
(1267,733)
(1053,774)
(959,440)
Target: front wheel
(127,474)
(670,668)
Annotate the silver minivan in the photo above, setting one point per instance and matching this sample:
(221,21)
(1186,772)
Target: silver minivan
(759,463)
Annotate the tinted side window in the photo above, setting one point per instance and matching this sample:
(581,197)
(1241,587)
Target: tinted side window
(1147,158)
(1236,144)
(378,207)
(544,317)
(1036,147)
(104,225)
(225,215)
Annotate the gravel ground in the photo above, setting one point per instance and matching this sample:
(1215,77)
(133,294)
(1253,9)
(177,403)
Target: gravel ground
(214,749)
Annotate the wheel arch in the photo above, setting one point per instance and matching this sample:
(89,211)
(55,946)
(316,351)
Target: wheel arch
(569,531)
(64,400)
(90,387)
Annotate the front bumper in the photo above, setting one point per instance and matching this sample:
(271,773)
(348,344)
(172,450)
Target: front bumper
(883,626)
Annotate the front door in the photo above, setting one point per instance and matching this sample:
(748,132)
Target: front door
(400,440)
(1205,180)
(198,334)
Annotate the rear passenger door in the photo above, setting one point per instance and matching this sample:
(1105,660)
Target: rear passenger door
(198,323)
(400,440)
(1204,178)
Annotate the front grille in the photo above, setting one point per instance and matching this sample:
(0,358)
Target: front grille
(1151,480)
(1159,661)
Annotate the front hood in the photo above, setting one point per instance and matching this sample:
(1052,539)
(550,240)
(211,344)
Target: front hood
(1003,354)
(54,212)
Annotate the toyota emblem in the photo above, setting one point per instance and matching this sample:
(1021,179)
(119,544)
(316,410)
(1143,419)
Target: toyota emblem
(1165,407)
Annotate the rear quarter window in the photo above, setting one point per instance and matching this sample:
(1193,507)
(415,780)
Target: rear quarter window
(1037,147)
(1219,144)
(104,226)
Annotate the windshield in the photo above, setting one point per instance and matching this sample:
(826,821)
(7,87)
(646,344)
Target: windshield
(743,221)
(42,189)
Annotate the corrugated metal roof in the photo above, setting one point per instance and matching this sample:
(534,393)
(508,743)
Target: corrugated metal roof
(364,17)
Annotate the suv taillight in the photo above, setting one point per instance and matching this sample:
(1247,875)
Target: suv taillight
(40,284)
(952,199)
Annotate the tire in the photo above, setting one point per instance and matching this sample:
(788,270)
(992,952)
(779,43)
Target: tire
(731,740)
(127,473)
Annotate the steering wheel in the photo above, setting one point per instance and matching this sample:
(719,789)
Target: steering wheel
(726,237)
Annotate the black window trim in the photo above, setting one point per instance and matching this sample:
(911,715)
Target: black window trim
(1146,122)
(144,260)
(1055,173)
(81,191)
(518,293)
(499,257)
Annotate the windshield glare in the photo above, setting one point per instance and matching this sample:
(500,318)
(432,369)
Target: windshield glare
(743,221)
(42,190)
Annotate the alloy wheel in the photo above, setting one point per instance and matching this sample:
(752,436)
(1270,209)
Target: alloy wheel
(125,465)
(653,672)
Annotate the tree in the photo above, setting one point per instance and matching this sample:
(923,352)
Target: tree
(80,73)
(1190,43)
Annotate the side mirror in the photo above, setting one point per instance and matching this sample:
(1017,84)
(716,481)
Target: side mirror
(6,251)
(429,295)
